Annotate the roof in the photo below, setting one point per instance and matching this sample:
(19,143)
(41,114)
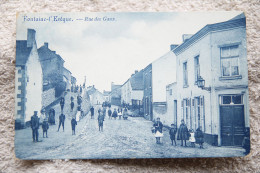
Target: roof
(45,54)
(65,69)
(22,52)
(136,81)
(114,87)
(233,23)
(106,93)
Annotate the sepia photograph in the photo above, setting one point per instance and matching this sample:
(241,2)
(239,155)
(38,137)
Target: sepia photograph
(131,85)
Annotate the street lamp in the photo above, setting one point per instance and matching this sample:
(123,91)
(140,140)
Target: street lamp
(201,84)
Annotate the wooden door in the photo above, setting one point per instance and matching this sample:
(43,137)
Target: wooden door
(232,125)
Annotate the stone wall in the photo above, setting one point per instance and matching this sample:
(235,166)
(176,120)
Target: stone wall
(48,97)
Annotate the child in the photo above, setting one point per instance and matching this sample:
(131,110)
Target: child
(73,125)
(120,115)
(192,138)
(45,127)
(199,137)
(246,141)
(172,133)
(158,130)
(114,114)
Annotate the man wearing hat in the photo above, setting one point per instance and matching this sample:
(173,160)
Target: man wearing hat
(61,120)
(73,125)
(35,126)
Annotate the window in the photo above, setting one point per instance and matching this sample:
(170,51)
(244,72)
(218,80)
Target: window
(196,68)
(229,61)
(231,99)
(170,91)
(185,75)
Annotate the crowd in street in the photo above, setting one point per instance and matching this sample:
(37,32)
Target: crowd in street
(183,133)
(45,120)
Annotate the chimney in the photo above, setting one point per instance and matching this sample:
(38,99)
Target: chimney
(136,71)
(186,37)
(173,46)
(46,44)
(30,37)
(54,52)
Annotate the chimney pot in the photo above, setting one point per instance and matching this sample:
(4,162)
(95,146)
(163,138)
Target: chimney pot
(46,44)
(30,37)
(173,46)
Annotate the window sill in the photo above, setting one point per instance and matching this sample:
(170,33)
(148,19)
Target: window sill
(231,77)
(185,86)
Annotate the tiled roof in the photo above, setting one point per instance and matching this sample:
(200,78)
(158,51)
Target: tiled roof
(22,52)
(137,81)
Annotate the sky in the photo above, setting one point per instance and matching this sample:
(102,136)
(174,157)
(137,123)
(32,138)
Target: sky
(110,51)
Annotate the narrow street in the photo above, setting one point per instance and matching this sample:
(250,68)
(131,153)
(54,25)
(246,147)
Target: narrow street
(130,138)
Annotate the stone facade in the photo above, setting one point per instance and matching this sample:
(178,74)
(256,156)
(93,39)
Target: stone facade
(67,78)
(48,97)
(52,65)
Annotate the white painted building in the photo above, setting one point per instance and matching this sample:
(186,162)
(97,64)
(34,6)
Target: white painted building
(217,53)
(28,79)
(132,90)
(95,96)
(163,73)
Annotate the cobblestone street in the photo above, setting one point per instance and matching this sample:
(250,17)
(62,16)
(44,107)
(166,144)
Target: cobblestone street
(130,138)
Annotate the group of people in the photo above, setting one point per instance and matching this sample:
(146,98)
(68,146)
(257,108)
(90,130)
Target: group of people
(111,114)
(118,113)
(183,134)
(44,121)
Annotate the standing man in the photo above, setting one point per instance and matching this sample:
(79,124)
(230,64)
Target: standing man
(35,126)
(92,112)
(100,121)
(183,133)
(109,112)
(62,102)
(104,112)
(73,125)
(71,104)
(61,120)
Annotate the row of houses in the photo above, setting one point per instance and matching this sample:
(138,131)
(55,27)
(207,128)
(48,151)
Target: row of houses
(203,81)
(40,77)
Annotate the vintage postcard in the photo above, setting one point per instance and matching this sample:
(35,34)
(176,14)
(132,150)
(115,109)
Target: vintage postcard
(131,85)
